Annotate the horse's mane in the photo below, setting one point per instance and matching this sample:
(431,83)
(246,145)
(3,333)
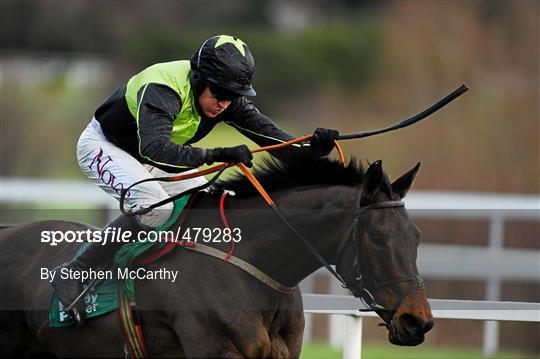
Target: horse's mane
(299,171)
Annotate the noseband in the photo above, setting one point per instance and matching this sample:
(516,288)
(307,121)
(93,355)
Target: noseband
(360,289)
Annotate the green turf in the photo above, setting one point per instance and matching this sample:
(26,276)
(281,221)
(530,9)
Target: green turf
(317,350)
(323,351)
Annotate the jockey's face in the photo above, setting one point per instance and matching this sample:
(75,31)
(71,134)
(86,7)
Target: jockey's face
(210,105)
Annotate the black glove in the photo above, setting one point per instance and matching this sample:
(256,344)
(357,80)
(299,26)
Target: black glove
(237,154)
(322,142)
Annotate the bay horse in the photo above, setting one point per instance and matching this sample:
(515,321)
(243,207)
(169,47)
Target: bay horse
(354,218)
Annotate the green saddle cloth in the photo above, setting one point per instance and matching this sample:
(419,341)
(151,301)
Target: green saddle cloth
(103,298)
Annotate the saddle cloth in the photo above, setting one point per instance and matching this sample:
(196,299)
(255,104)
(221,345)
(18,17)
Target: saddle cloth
(103,297)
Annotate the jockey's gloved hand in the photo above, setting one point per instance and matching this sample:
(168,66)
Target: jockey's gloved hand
(322,142)
(237,154)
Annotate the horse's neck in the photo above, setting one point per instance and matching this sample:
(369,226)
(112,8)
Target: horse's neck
(322,215)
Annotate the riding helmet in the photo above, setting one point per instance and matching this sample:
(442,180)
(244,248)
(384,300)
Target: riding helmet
(225,61)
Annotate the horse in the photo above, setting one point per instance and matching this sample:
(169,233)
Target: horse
(353,217)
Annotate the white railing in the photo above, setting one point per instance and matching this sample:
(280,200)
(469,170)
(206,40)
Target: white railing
(492,263)
(349,306)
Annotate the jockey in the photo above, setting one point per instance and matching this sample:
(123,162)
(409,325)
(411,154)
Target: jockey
(147,127)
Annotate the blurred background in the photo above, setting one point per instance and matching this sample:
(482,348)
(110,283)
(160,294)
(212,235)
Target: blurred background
(349,65)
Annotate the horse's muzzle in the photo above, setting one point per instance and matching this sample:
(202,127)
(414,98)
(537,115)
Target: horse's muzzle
(408,330)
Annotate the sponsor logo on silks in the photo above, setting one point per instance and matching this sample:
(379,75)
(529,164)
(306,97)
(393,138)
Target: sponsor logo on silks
(90,301)
(226,39)
(105,175)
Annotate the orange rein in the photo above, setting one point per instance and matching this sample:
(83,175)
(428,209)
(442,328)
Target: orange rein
(258,185)
(245,170)
(297,140)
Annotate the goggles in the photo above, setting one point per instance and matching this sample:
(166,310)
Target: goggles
(220,93)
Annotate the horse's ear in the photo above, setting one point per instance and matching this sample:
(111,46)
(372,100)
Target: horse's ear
(372,182)
(402,185)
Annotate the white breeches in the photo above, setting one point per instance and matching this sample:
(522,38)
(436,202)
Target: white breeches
(113,169)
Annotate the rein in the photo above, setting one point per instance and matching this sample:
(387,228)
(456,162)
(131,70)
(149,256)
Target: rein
(220,168)
(363,292)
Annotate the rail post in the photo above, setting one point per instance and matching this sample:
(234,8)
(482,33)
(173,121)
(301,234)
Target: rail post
(490,343)
(352,340)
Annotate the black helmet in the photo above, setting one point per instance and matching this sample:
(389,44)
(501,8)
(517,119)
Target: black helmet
(227,62)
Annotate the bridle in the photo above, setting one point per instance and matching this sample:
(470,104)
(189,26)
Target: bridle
(360,287)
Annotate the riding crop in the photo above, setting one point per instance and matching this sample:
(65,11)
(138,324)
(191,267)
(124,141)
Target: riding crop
(222,166)
(412,120)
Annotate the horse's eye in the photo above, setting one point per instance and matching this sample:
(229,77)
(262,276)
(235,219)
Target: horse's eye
(377,237)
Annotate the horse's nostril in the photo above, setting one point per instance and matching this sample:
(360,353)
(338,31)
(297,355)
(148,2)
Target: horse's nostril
(415,325)
(410,323)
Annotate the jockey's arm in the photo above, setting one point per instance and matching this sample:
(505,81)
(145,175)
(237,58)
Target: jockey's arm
(248,120)
(158,108)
